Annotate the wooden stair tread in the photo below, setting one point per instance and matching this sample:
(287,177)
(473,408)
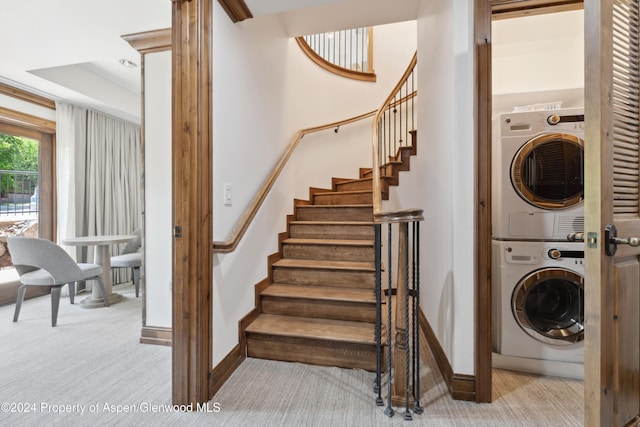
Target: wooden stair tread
(325,192)
(333,222)
(313,328)
(321,264)
(327,242)
(319,293)
(364,205)
(348,181)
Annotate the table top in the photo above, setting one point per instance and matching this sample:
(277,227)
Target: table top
(98,240)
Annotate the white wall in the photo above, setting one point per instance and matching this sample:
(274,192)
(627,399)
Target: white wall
(265,89)
(538,59)
(157,193)
(442,176)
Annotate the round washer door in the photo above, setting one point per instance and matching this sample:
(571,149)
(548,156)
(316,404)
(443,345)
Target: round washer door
(548,171)
(548,304)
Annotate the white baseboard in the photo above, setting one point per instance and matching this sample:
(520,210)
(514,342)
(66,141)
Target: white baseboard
(539,366)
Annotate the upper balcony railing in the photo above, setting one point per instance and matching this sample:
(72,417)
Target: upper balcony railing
(348,53)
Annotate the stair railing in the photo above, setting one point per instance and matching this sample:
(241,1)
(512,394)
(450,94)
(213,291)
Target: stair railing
(394,122)
(237,232)
(348,53)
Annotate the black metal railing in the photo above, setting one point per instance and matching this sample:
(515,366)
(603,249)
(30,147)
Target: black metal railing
(399,334)
(392,130)
(397,121)
(348,49)
(19,193)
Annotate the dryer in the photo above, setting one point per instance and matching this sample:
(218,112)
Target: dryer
(538,307)
(538,175)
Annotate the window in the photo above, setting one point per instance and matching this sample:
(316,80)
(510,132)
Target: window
(26,194)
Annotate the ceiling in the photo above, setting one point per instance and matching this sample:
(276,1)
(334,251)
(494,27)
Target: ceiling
(70,49)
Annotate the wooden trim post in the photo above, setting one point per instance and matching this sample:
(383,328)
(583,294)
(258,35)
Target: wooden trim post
(482,95)
(192,201)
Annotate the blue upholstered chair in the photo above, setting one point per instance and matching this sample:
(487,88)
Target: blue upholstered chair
(41,262)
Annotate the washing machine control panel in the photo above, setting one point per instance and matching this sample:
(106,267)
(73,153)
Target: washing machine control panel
(534,254)
(557,254)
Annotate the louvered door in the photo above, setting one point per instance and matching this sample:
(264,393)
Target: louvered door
(612,285)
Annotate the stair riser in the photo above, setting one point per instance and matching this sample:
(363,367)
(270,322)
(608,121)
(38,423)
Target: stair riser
(342,199)
(328,252)
(338,278)
(315,352)
(337,310)
(330,231)
(336,213)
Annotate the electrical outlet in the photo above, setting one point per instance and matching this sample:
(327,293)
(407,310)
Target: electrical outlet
(227,194)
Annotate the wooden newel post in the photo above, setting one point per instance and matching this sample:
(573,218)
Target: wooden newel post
(400,348)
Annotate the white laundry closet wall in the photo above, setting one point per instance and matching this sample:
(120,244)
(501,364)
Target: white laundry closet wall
(538,59)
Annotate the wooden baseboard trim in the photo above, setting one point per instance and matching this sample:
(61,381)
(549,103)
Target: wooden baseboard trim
(156,335)
(461,386)
(224,369)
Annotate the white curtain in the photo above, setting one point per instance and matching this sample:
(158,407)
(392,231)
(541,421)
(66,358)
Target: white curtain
(71,146)
(99,183)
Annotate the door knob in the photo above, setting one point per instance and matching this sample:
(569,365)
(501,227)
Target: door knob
(612,240)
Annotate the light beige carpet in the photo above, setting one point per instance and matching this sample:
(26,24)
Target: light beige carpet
(93,362)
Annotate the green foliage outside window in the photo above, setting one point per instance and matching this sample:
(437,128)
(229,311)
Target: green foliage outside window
(18,154)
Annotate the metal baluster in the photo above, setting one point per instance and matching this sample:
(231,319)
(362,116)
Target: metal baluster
(389,410)
(380,139)
(363,30)
(384,144)
(400,141)
(377,388)
(389,139)
(407,412)
(413,110)
(416,394)
(395,123)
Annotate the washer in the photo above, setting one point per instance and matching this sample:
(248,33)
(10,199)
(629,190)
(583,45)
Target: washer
(538,307)
(538,175)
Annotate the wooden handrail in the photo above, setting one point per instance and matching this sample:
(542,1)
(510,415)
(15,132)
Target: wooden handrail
(235,234)
(377,193)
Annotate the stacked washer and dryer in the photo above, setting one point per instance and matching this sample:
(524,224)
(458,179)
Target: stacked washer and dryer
(537,274)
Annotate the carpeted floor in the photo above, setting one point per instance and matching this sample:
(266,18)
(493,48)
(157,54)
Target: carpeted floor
(90,370)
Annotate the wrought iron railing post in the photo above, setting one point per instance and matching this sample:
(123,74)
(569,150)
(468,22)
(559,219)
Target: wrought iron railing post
(416,316)
(404,231)
(377,388)
(389,410)
(403,355)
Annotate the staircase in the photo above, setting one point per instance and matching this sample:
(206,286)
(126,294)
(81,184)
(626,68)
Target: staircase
(318,304)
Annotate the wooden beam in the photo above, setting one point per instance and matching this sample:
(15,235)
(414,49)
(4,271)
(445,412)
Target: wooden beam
(27,121)
(27,96)
(236,9)
(482,142)
(506,9)
(150,41)
(192,201)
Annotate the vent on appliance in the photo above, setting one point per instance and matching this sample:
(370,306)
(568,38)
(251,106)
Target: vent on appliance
(569,224)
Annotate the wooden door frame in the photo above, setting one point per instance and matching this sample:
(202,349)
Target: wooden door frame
(484,10)
(192,194)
